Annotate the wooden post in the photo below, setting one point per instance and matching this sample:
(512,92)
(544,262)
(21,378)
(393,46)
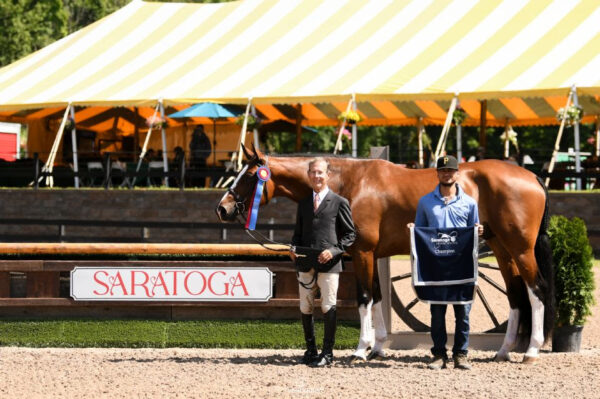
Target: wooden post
(4,285)
(483,123)
(43,284)
(298,127)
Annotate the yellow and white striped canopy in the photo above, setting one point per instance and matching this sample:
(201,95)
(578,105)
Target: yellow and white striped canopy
(402,59)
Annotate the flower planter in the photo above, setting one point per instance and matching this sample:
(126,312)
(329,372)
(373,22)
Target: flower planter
(566,339)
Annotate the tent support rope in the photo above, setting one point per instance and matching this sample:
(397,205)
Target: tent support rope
(558,137)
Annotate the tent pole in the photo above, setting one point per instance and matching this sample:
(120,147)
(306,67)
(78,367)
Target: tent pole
(354,130)
(164,143)
(442,141)
(420,129)
(577,142)
(243,135)
(49,166)
(338,142)
(214,142)
(482,123)
(255,130)
(298,127)
(506,149)
(459,142)
(598,135)
(558,137)
(136,135)
(145,146)
(74,146)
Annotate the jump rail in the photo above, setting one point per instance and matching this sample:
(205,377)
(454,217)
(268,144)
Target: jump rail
(138,249)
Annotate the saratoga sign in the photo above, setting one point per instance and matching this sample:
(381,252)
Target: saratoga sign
(252,284)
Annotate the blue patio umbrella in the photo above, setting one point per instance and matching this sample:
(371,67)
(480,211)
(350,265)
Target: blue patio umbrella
(207,110)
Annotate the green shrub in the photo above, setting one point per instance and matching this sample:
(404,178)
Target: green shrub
(573,262)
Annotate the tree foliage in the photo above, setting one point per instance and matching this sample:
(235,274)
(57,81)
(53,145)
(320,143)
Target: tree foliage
(29,25)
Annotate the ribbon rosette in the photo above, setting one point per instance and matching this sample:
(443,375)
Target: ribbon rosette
(264,174)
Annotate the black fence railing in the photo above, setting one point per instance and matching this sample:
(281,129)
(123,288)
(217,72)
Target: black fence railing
(110,174)
(60,232)
(107,173)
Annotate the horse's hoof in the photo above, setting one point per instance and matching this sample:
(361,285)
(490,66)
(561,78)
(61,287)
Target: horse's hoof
(530,359)
(502,358)
(356,360)
(376,356)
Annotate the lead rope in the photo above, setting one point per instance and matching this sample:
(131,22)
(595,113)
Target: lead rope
(307,286)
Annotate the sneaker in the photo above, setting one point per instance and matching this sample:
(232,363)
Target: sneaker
(438,363)
(461,362)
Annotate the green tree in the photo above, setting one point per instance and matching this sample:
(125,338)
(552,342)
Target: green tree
(29,25)
(84,12)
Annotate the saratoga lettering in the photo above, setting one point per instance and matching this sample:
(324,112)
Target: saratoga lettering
(147,283)
(142,283)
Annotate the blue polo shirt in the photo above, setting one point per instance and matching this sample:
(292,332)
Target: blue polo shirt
(461,211)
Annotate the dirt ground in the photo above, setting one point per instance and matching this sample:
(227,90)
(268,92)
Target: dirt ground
(225,373)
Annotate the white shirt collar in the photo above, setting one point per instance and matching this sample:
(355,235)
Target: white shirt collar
(322,194)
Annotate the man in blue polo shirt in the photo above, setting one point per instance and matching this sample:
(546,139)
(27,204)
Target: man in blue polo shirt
(448,206)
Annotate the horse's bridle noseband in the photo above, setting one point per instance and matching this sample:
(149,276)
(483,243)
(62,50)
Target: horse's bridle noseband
(240,205)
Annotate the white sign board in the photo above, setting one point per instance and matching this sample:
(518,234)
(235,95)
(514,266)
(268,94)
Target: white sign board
(252,284)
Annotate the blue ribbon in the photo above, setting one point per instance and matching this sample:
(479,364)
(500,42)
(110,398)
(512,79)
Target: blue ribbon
(263,173)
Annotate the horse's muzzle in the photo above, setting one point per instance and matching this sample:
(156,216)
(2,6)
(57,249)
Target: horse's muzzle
(224,215)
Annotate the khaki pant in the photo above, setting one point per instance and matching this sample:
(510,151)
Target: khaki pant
(326,282)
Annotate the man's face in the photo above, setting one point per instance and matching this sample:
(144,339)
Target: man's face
(318,176)
(447,177)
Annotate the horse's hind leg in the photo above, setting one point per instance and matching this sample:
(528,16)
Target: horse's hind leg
(537,327)
(378,321)
(524,295)
(512,280)
(363,266)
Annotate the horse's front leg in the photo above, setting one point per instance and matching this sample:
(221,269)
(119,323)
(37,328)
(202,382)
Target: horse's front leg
(380,332)
(366,339)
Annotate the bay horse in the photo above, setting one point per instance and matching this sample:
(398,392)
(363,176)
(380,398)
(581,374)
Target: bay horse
(513,207)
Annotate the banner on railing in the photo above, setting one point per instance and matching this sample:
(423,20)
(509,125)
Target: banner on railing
(252,284)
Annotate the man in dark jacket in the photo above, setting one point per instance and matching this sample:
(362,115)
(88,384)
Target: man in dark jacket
(323,224)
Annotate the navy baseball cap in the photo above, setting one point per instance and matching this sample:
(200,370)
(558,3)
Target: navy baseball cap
(447,162)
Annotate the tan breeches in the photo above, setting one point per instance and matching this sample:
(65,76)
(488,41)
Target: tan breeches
(326,282)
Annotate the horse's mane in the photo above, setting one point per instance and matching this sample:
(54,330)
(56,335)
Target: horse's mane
(315,155)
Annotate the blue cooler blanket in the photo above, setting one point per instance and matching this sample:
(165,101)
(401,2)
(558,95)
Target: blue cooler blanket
(444,264)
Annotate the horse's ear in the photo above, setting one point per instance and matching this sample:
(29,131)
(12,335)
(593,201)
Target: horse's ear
(246,153)
(259,155)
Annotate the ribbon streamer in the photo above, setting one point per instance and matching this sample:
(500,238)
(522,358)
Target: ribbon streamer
(263,173)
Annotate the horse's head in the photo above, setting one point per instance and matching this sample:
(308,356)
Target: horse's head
(237,198)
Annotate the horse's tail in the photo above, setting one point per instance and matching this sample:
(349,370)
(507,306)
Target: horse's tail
(545,277)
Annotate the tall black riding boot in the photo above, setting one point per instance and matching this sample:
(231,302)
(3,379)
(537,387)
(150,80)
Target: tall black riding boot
(326,357)
(308,325)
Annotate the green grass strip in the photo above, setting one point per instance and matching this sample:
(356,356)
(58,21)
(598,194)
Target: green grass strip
(167,334)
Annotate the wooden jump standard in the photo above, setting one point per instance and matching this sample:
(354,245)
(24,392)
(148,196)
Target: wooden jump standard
(44,293)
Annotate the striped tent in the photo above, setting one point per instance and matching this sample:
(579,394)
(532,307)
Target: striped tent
(401,59)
